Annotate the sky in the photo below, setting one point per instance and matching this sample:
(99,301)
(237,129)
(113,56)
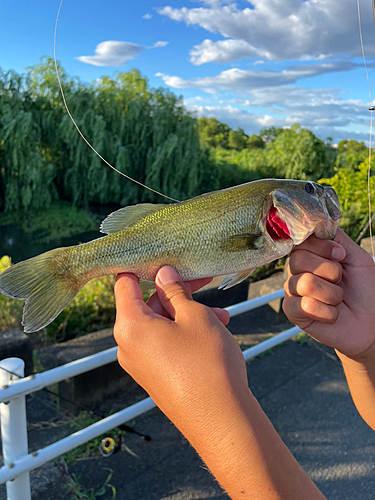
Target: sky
(251,64)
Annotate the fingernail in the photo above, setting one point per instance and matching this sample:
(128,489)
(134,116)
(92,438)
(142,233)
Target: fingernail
(167,275)
(338,253)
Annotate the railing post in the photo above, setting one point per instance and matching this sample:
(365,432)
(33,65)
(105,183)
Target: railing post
(14,429)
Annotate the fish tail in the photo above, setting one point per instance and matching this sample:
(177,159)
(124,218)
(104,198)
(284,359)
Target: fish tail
(47,285)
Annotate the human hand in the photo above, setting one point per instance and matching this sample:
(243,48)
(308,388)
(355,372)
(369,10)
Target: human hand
(191,286)
(331,296)
(178,350)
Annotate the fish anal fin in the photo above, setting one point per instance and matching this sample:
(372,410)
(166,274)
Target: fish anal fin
(240,242)
(125,217)
(235,279)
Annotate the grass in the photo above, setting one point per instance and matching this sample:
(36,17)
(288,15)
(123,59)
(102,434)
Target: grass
(60,220)
(10,309)
(302,338)
(79,492)
(91,448)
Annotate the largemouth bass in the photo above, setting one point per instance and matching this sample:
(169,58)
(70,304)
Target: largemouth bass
(232,231)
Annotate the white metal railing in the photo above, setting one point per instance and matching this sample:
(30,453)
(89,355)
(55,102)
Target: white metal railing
(18,462)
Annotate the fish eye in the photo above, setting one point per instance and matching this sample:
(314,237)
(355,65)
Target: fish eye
(309,188)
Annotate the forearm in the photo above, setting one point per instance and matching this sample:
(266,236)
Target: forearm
(360,375)
(245,454)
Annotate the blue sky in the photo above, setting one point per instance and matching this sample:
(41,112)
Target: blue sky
(250,64)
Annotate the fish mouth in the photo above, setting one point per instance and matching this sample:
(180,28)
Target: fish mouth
(295,219)
(276,226)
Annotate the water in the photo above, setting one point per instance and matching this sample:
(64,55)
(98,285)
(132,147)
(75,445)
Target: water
(20,245)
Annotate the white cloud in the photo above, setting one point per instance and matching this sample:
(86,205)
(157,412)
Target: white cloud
(114,53)
(159,44)
(323,111)
(278,29)
(246,80)
(147,16)
(224,51)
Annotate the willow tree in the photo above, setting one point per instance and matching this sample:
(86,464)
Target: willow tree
(144,133)
(26,172)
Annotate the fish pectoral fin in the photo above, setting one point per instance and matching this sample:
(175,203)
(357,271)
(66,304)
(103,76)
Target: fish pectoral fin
(125,217)
(240,242)
(146,286)
(235,279)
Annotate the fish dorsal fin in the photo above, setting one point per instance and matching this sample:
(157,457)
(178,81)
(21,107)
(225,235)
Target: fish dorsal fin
(125,217)
(235,279)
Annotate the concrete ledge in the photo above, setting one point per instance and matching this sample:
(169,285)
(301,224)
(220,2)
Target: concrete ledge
(16,344)
(91,388)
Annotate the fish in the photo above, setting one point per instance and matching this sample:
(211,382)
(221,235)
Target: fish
(230,232)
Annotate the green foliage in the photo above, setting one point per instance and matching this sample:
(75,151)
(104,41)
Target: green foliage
(302,338)
(92,309)
(144,133)
(216,134)
(351,186)
(235,167)
(237,139)
(80,492)
(296,153)
(254,142)
(10,309)
(60,220)
(90,448)
(351,154)
(213,133)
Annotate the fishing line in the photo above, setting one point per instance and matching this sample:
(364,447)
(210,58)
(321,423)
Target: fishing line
(371,109)
(78,129)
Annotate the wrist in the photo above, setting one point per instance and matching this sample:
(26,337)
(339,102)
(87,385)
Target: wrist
(363,362)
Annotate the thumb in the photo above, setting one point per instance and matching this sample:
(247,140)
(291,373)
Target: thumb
(171,290)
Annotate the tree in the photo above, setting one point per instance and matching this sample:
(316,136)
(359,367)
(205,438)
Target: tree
(352,190)
(213,133)
(255,142)
(237,139)
(296,153)
(145,133)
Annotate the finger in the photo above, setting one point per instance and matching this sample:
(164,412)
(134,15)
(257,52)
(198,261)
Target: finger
(129,297)
(309,285)
(327,249)
(192,286)
(302,311)
(171,291)
(221,314)
(304,261)
(154,303)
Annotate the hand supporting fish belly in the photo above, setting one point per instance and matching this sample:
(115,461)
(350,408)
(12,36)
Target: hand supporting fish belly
(232,231)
